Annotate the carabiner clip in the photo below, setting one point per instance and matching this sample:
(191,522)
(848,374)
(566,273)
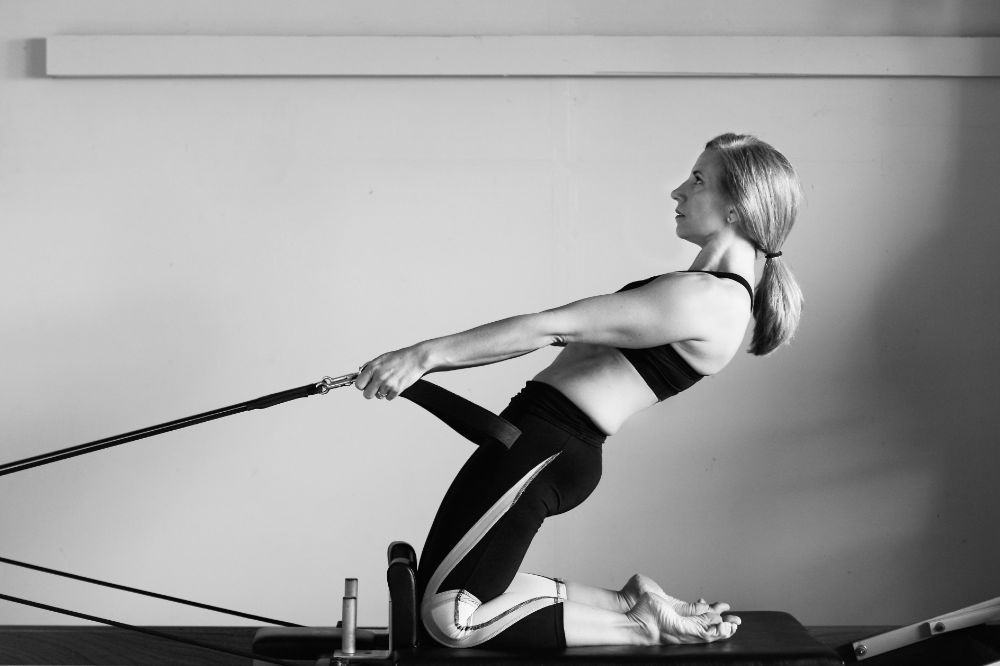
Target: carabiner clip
(327,383)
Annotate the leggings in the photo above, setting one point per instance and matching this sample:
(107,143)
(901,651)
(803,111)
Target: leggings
(472,592)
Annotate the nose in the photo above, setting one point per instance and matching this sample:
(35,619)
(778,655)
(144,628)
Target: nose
(676,194)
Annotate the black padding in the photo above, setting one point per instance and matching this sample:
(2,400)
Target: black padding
(313,642)
(401,549)
(477,424)
(402,578)
(765,638)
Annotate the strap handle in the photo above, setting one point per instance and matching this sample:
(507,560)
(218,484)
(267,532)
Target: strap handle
(477,424)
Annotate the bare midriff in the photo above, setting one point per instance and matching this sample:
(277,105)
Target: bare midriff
(601,382)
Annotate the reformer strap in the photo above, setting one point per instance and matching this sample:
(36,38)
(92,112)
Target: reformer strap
(475,423)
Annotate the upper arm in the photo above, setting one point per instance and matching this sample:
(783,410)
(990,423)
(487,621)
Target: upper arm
(672,308)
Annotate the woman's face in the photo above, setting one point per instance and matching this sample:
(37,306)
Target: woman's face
(702,208)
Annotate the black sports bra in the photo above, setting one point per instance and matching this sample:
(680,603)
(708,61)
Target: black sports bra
(662,368)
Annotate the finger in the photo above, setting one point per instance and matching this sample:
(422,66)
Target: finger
(384,391)
(364,376)
(373,388)
(720,607)
(733,619)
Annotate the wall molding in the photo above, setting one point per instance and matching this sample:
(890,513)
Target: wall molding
(518,56)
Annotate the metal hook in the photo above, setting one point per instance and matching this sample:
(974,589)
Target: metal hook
(328,383)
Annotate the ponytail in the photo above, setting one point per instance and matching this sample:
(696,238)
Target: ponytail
(777,306)
(765,190)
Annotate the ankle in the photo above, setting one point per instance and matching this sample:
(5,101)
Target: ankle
(624,601)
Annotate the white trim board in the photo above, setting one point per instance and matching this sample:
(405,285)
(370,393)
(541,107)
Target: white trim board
(518,56)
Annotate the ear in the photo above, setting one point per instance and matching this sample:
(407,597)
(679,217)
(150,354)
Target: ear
(732,217)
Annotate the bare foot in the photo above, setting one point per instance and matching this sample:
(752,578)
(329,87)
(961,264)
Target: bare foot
(639,584)
(665,625)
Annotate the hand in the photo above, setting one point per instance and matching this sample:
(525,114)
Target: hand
(388,375)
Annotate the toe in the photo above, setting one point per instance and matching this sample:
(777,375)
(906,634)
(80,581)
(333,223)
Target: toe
(689,609)
(720,632)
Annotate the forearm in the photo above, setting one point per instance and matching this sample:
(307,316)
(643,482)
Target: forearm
(388,375)
(489,343)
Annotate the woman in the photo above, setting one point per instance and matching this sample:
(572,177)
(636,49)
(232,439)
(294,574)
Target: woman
(623,352)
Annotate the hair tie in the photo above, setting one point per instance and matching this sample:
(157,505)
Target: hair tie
(772,255)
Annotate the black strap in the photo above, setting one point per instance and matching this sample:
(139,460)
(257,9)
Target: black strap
(477,424)
(731,276)
(177,424)
(473,422)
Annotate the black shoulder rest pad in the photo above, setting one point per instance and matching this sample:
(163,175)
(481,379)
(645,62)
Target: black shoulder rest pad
(477,424)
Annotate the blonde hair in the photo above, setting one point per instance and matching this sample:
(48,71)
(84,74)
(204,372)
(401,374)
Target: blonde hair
(765,191)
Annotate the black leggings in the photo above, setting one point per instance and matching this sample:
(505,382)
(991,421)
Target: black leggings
(472,593)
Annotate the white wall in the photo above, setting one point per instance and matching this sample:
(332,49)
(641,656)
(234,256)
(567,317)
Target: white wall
(172,246)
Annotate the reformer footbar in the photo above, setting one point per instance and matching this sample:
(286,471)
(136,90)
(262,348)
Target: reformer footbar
(473,422)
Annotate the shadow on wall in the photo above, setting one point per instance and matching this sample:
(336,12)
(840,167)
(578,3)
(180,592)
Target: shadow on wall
(936,329)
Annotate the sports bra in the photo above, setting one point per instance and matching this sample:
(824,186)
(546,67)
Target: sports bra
(661,367)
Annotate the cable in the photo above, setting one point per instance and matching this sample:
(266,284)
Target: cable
(155,595)
(149,632)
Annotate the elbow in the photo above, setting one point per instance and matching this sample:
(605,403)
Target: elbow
(545,331)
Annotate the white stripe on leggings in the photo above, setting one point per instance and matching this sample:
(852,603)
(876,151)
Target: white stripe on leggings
(456,618)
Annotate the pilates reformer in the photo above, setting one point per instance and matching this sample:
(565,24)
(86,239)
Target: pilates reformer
(765,637)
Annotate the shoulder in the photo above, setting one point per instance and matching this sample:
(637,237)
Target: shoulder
(695,285)
(702,295)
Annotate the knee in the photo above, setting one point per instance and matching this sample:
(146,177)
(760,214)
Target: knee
(445,617)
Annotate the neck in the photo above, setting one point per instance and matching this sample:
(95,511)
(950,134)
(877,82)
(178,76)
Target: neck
(731,255)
